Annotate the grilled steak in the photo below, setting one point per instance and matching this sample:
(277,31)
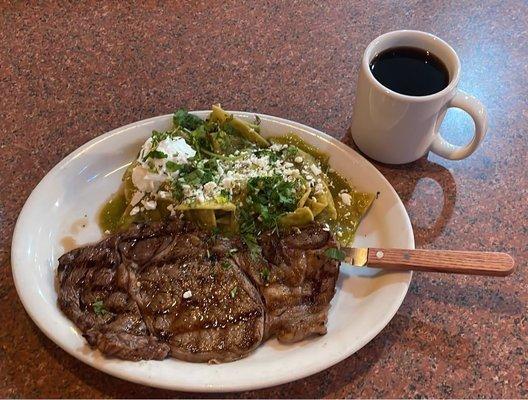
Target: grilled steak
(171,289)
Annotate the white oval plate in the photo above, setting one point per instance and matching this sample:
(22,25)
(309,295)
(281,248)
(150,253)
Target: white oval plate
(365,301)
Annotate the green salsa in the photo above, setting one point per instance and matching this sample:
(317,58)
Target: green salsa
(348,216)
(115,214)
(112,212)
(295,140)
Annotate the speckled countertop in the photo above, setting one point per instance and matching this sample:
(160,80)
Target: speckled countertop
(70,72)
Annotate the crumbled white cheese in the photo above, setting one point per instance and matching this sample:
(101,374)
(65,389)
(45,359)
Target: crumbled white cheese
(200,198)
(261,162)
(162,194)
(228,182)
(134,211)
(149,204)
(294,173)
(209,187)
(187,294)
(345,198)
(187,190)
(277,147)
(315,169)
(230,175)
(145,180)
(107,232)
(136,198)
(170,208)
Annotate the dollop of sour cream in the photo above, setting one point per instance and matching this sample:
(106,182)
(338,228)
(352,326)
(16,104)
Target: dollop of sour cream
(175,150)
(148,179)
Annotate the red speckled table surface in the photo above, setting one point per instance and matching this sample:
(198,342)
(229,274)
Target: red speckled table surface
(70,72)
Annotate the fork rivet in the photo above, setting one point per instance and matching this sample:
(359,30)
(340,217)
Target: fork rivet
(379,254)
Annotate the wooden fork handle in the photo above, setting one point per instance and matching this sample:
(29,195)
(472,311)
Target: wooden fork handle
(454,262)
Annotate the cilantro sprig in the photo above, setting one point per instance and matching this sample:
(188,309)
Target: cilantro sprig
(335,254)
(99,307)
(155,154)
(268,198)
(265,274)
(185,120)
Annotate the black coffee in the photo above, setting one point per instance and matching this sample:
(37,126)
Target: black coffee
(410,70)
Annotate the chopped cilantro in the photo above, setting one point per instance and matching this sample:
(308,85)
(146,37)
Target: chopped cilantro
(272,155)
(208,171)
(225,193)
(233,292)
(251,242)
(265,274)
(172,166)
(177,191)
(157,137)
(267,199)
(192,178)
(155,154)
(335,254)
(199,139)
(185,120)
(202,173)
(226,264)
(98,307)
(292,150)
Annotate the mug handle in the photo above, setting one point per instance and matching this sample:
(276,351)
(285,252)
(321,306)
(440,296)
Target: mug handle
(477,112)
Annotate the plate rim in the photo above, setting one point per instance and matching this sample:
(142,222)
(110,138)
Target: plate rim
(17,243)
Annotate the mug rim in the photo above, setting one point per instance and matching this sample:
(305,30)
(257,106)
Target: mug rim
(365,65)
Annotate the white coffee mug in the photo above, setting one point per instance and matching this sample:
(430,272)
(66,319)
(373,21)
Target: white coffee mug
(394,128)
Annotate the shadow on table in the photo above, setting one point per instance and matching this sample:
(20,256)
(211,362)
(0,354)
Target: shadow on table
(405,178)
